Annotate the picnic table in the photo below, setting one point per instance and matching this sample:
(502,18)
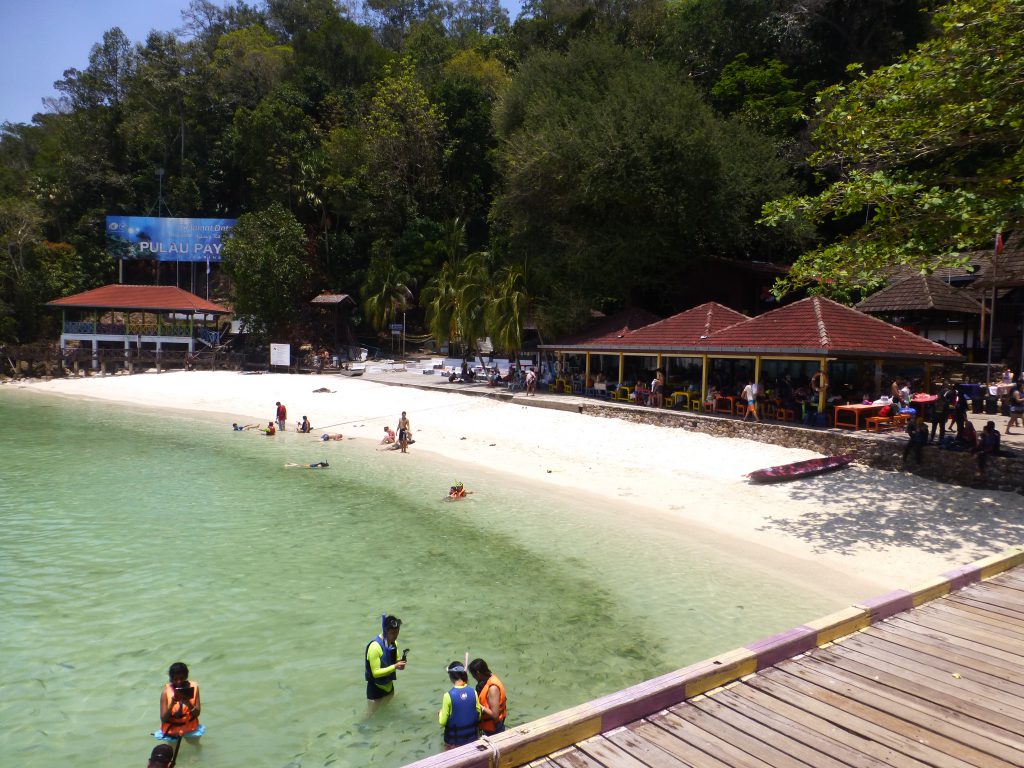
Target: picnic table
(851,416)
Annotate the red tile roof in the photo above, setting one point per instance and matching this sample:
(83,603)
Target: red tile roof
(152,298)
(683,331)
(819,326)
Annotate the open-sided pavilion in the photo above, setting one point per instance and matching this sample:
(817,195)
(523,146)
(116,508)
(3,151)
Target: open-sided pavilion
(711,343)
(138,317)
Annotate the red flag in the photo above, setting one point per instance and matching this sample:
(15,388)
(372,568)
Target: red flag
(999,243)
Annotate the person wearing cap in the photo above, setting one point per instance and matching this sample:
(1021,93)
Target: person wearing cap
(162,756)
(382,662)
(490,693)
(460,709)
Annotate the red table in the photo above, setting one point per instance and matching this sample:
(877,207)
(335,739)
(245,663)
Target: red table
(850,416)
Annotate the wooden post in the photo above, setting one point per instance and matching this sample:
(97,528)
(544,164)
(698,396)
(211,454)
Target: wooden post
(703,379)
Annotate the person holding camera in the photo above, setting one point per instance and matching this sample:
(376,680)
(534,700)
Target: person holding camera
(382,662)
(179,704)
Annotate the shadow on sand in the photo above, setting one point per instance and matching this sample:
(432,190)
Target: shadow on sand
(893,509)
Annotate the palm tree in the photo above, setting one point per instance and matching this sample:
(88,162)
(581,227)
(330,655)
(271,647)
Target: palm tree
(507,308)
(440,304)
(390,295)
(473,295)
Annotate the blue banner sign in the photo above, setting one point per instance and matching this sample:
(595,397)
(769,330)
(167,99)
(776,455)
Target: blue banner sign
(167,239)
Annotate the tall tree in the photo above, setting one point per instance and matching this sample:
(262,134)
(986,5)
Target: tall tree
(925,157)
(265,258)
(619,174)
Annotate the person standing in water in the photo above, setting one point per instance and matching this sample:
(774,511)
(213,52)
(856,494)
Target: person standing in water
(382,662)
(491,695)
(460,710)
(404,429)
(281,416)
(179,704)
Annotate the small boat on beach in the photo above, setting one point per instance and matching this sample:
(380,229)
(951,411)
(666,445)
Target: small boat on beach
(356,369)
(798,469)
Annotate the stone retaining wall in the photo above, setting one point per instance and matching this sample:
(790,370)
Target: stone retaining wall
(881,451)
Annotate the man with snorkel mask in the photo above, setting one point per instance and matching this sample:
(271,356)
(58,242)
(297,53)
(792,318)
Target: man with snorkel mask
(382,662)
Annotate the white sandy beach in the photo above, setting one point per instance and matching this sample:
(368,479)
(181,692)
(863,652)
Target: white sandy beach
(854,534)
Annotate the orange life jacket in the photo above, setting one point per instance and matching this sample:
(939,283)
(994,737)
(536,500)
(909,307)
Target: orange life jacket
(487,725)
(180,717)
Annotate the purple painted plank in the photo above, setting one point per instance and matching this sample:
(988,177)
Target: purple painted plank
(961,577)
(884,606)
(784,645)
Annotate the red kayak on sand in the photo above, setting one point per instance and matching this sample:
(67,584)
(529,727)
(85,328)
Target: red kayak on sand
(798,469)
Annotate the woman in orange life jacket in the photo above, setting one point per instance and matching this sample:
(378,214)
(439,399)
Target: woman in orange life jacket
(179,703)
(491,693)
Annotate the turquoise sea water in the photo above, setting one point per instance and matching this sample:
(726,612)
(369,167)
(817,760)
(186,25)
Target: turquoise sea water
(130,539)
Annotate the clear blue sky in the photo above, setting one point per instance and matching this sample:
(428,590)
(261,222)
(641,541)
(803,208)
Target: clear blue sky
(39,39)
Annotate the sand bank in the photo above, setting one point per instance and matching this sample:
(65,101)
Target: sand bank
(856,533)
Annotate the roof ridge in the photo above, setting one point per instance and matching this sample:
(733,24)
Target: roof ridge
(820,320)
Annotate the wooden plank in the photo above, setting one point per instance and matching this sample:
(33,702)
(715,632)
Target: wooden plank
(913,724)
(910,652)
(669,744)
(919,633)
(1013,576)
(648,753)
(846,713)
(911,644)
(965,629)
(1007,596)
(609,754)
(940,713)
(778,740)
(932,682)
(986,620)
(959,638)
(542,763)
(573,758)
(797,727)
(995,612)
(737,738)
(989,607)
(706,742)
(853,741)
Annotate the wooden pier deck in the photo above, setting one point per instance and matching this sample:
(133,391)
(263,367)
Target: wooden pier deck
(940,684)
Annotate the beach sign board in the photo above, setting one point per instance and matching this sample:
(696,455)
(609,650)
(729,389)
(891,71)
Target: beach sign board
(167,239)
(281,354)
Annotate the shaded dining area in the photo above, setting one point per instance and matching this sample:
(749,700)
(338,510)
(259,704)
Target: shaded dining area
(814,361)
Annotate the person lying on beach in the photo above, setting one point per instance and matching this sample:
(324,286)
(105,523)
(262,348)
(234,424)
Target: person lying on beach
(337,436)
(314,465)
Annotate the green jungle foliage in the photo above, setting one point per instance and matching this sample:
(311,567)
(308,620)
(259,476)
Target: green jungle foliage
(478,174)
